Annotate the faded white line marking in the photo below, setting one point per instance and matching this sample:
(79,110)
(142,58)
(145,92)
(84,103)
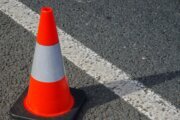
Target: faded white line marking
(141,98)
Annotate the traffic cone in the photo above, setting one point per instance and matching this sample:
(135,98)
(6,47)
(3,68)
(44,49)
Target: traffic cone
(48,95)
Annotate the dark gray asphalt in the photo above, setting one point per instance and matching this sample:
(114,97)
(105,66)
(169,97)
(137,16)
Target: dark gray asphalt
(16,50)
(141,37)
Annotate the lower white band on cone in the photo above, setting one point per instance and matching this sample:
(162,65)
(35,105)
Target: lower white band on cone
(47,63)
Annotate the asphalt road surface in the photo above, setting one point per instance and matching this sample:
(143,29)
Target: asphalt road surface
(140,37)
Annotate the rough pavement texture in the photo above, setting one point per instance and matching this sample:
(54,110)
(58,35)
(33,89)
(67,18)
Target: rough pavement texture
(141,37)
(16,50)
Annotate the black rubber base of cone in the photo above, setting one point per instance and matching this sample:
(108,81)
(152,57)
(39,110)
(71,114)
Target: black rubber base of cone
(19,112)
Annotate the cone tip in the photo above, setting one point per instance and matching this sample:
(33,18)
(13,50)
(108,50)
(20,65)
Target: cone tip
(46,9)
(47,33)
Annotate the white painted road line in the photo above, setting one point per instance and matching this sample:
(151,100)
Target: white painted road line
(141,98)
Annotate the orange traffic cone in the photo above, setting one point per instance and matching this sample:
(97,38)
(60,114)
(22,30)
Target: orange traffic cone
(48,95)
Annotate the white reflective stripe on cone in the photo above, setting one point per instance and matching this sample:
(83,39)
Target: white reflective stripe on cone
(47,63)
